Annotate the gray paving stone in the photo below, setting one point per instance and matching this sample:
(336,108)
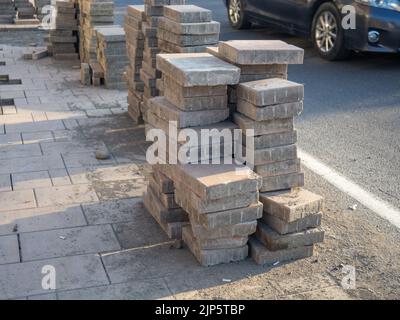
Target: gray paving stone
(185,69)
(31,164)
(212,27)
(9,249)
(187,14)
(132,290)
(35,126)
(10,139)
(59,196)
(59,177)
(279,111)
(49,296)
(169,112)
(261,52)
(274,139)
(15,200)
(283,227)
(278,168)
(292,205)
(38,219)
(84,159)
(187,40)
(271,155)
(115,211)
(25,279)
(31,180)
(19,151)
(78,146)
(5,182)
(37,137)
(282,182)
(270,92)
(67,242)
(263,127)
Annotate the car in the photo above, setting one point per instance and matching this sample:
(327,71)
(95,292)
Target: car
(376,25)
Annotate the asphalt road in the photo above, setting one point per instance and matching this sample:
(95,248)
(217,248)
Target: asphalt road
(351,120)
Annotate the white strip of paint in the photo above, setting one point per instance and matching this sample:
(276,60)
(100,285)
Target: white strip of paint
(372,202)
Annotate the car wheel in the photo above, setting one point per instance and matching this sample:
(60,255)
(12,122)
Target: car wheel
(328,34)
(237,16)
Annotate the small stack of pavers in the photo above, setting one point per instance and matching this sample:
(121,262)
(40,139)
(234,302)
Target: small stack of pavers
(111,55)
(289,228)
(252,69)
(7,11)
(25,10)
(186,29)
(93,13)
(64,39)
(134,19)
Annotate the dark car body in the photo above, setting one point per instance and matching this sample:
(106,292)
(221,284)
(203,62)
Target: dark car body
(296,17)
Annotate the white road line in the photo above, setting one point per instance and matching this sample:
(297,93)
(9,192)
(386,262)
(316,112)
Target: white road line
(372,202)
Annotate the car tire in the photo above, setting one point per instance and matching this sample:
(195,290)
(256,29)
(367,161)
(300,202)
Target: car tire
(236,15)
(328,34)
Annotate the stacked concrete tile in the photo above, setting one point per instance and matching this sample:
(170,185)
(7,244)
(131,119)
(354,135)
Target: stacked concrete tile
(93,13)
(7,11)
(134,19)
(290,226)
(64,40)
(223,209)
(273,64)
(111,55)
(25,9)
(159,200)
(186,29)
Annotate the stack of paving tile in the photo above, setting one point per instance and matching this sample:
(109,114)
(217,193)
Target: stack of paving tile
(261,59)
(134,45)
(223,209)
(39,5)
(186,29)
(290,226)
(7,11)
(64,40)
(111,55)
(195,97)
(93,13)
(25,9)
(159,200)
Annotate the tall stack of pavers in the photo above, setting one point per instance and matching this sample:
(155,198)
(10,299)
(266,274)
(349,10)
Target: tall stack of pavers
(93,13)
(64,39)
(7,11)
(134,19)
(111,55)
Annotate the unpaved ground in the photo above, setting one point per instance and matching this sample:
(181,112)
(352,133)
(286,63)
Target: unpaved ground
(116,251)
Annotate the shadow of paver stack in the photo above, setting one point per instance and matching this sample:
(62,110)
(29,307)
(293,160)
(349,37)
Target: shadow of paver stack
(7,11)
(134,19)
(64,39)
(111,55)
(93,13)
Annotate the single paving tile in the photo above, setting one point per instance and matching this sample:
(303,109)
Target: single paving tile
(14,200)
(30,180)
(5,182)
(10,139)
(37,137)
(19,151)
(9,249)
(25,279)
(134,290)
(31,164)
(67,242)
(64,195)
(46,296)
(114,211)
(38,219)
(36,126)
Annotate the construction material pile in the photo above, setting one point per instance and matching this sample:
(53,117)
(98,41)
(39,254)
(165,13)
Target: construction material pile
(7,11)
(64,39)
(111,55)
(25,10)
(134,19)
(93,13)
(185,29)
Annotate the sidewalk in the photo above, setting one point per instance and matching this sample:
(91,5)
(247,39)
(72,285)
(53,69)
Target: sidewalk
(60,206)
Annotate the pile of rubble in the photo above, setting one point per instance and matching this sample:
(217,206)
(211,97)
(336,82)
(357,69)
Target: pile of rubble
(111,55)
(134,20)
(63,41)
(7,11)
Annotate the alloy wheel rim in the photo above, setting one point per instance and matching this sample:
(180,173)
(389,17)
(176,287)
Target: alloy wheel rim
(234,11)
(326,32)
